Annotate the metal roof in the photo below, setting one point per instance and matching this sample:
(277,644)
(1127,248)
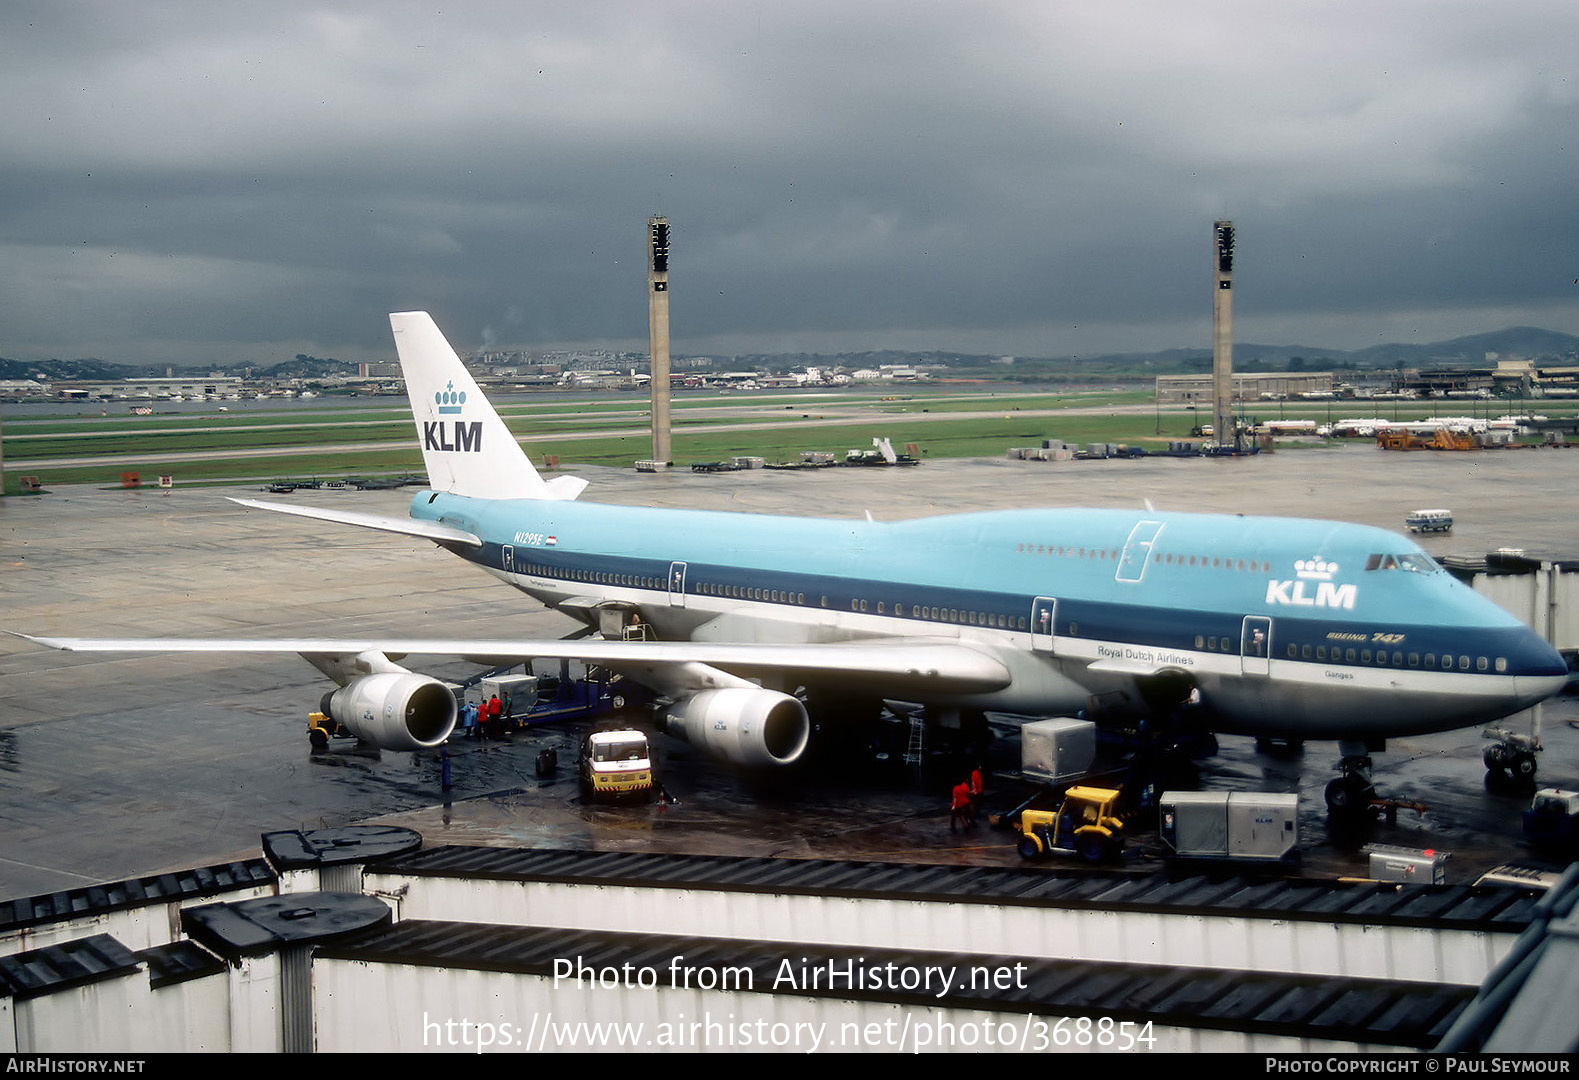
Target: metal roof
(58,967)
(1463,907)
(179,962)
(1527,1004)
(256,927)
(1373,1011)
(133,893)
(298,849)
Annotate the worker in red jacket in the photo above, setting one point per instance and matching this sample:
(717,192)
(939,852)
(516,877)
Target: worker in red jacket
(959,807)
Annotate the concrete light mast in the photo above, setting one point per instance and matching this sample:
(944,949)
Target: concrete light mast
(1223,337)
(658,335)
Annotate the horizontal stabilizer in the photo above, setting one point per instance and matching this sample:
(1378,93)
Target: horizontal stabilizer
(427,530)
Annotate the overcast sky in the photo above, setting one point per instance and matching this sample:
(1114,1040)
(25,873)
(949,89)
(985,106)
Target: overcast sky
(204,181)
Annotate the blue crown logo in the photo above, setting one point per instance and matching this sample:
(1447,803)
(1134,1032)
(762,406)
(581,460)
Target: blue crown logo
(449,400)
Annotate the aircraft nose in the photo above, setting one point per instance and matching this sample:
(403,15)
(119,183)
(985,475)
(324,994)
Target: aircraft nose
(1542,675)
(1531,689)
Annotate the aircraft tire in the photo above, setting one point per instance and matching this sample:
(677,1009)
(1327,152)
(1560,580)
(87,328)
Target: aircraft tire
(1349,796)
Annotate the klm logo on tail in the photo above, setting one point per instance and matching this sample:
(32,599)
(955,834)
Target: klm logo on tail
(451,436)
(438,435)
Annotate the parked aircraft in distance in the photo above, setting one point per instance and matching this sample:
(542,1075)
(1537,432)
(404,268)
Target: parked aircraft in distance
(747,625)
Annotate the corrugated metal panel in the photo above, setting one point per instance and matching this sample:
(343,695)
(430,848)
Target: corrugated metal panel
(91,996)
(59,967)
(1464,907)
(1452,934)
(188,1009)
(1261,1004)
(1527,1004)
(296,999)
(179,962)
(124,907)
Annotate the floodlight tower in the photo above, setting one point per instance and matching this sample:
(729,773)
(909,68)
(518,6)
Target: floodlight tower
(658,334)
(1223,337)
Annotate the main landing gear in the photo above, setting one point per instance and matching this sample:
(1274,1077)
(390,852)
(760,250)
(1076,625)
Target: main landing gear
(1352,797)
(1353,791)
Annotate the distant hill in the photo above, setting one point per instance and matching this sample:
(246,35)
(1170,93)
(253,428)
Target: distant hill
(301,367)
(1525,342)
(1528,342)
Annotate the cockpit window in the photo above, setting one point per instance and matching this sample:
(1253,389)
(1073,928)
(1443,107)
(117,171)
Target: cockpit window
(1416,562)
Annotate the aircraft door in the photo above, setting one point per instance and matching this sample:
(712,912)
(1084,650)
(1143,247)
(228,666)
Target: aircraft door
(1043,610)
(1255,646)
(508,559)
(1132,563)
(677,584)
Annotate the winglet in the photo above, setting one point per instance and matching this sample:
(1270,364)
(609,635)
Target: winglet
(465,445)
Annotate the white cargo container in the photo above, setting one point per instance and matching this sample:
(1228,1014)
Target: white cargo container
(1230,824)
(1057,750)
(522,691)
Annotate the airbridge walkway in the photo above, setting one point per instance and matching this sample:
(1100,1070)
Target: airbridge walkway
(542,948)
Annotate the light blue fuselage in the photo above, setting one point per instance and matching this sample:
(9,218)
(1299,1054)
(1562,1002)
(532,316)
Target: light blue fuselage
(1287,627)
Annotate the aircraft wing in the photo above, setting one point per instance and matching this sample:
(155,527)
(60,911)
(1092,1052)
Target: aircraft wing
(427,530)
(908,666)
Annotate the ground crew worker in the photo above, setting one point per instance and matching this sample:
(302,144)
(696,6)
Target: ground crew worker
(492,727)
(959,807)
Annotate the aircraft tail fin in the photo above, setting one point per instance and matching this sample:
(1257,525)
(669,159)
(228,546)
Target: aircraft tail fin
(465,445)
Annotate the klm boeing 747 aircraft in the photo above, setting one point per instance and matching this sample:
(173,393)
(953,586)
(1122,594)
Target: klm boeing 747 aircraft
(1288,628)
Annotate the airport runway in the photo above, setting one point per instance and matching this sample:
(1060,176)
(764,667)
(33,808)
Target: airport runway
(118,766)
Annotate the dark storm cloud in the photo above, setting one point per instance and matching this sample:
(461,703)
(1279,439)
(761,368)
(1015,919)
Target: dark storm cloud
(238,182)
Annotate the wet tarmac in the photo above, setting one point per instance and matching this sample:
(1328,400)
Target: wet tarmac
(116,766)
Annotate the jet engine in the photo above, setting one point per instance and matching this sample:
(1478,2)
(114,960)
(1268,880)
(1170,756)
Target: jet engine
(394,710)
(746,726)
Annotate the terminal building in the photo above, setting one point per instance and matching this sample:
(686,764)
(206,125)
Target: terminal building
(1248,386)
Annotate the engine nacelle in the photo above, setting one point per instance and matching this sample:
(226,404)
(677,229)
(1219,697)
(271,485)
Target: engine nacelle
(394,710)
(746,726)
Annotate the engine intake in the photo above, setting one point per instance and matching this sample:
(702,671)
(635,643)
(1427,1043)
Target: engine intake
(394,710)
(750,727)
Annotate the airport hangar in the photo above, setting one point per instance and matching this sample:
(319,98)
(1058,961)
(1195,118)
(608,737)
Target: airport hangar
(89,558)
